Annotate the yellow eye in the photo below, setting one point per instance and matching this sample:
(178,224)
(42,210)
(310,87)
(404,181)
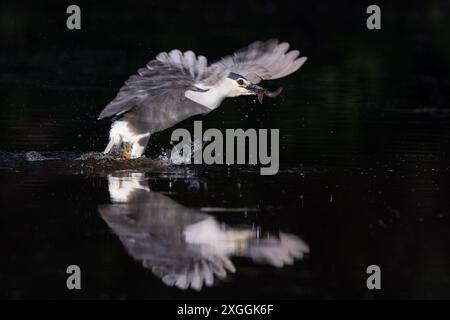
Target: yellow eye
(240,82)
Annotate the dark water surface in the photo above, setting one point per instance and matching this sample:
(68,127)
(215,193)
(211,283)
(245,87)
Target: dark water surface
(364,153)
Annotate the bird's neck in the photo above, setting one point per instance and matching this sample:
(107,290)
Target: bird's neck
(212,98)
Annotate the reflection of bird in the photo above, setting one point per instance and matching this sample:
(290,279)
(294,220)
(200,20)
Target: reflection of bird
(183,246)
(176,85)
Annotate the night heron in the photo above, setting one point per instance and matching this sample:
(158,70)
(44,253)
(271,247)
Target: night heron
(176,86)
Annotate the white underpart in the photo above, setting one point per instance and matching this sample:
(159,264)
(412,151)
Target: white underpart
(120,133)
(214,96)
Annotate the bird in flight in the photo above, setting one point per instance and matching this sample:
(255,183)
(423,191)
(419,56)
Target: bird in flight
(175,86)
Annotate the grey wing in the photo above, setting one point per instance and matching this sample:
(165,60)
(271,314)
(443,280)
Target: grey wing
(263,61)
(168,73)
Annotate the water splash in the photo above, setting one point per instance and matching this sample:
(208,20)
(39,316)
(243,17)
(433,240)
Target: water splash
(176,156)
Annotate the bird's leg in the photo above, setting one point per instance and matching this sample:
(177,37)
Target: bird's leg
(138,148)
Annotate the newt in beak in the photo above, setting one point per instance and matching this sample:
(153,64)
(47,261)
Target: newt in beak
(260,92)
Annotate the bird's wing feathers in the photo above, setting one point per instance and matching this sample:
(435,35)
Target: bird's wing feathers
(177,72)
(263,61)
(193,67)
(169,72)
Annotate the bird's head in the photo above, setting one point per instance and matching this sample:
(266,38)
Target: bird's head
(238,86)
(232,85)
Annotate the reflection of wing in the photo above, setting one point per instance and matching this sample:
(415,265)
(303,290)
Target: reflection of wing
(183,246)
(150,226)
(170,74)
(277,251)
(263,60)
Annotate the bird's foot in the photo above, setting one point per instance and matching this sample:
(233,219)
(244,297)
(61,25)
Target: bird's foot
(126,154)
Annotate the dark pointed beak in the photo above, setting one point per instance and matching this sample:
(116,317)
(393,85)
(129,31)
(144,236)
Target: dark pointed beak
(261,92)
(255,88)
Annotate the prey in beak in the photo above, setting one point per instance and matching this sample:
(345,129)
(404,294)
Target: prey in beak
(261,92)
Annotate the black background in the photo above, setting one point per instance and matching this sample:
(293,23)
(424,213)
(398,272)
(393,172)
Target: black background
(365,120)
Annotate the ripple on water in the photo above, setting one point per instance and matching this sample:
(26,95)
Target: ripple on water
(69,161)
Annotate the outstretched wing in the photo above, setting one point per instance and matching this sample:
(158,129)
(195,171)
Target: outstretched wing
(176,71)
(168,72)
(263,60)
